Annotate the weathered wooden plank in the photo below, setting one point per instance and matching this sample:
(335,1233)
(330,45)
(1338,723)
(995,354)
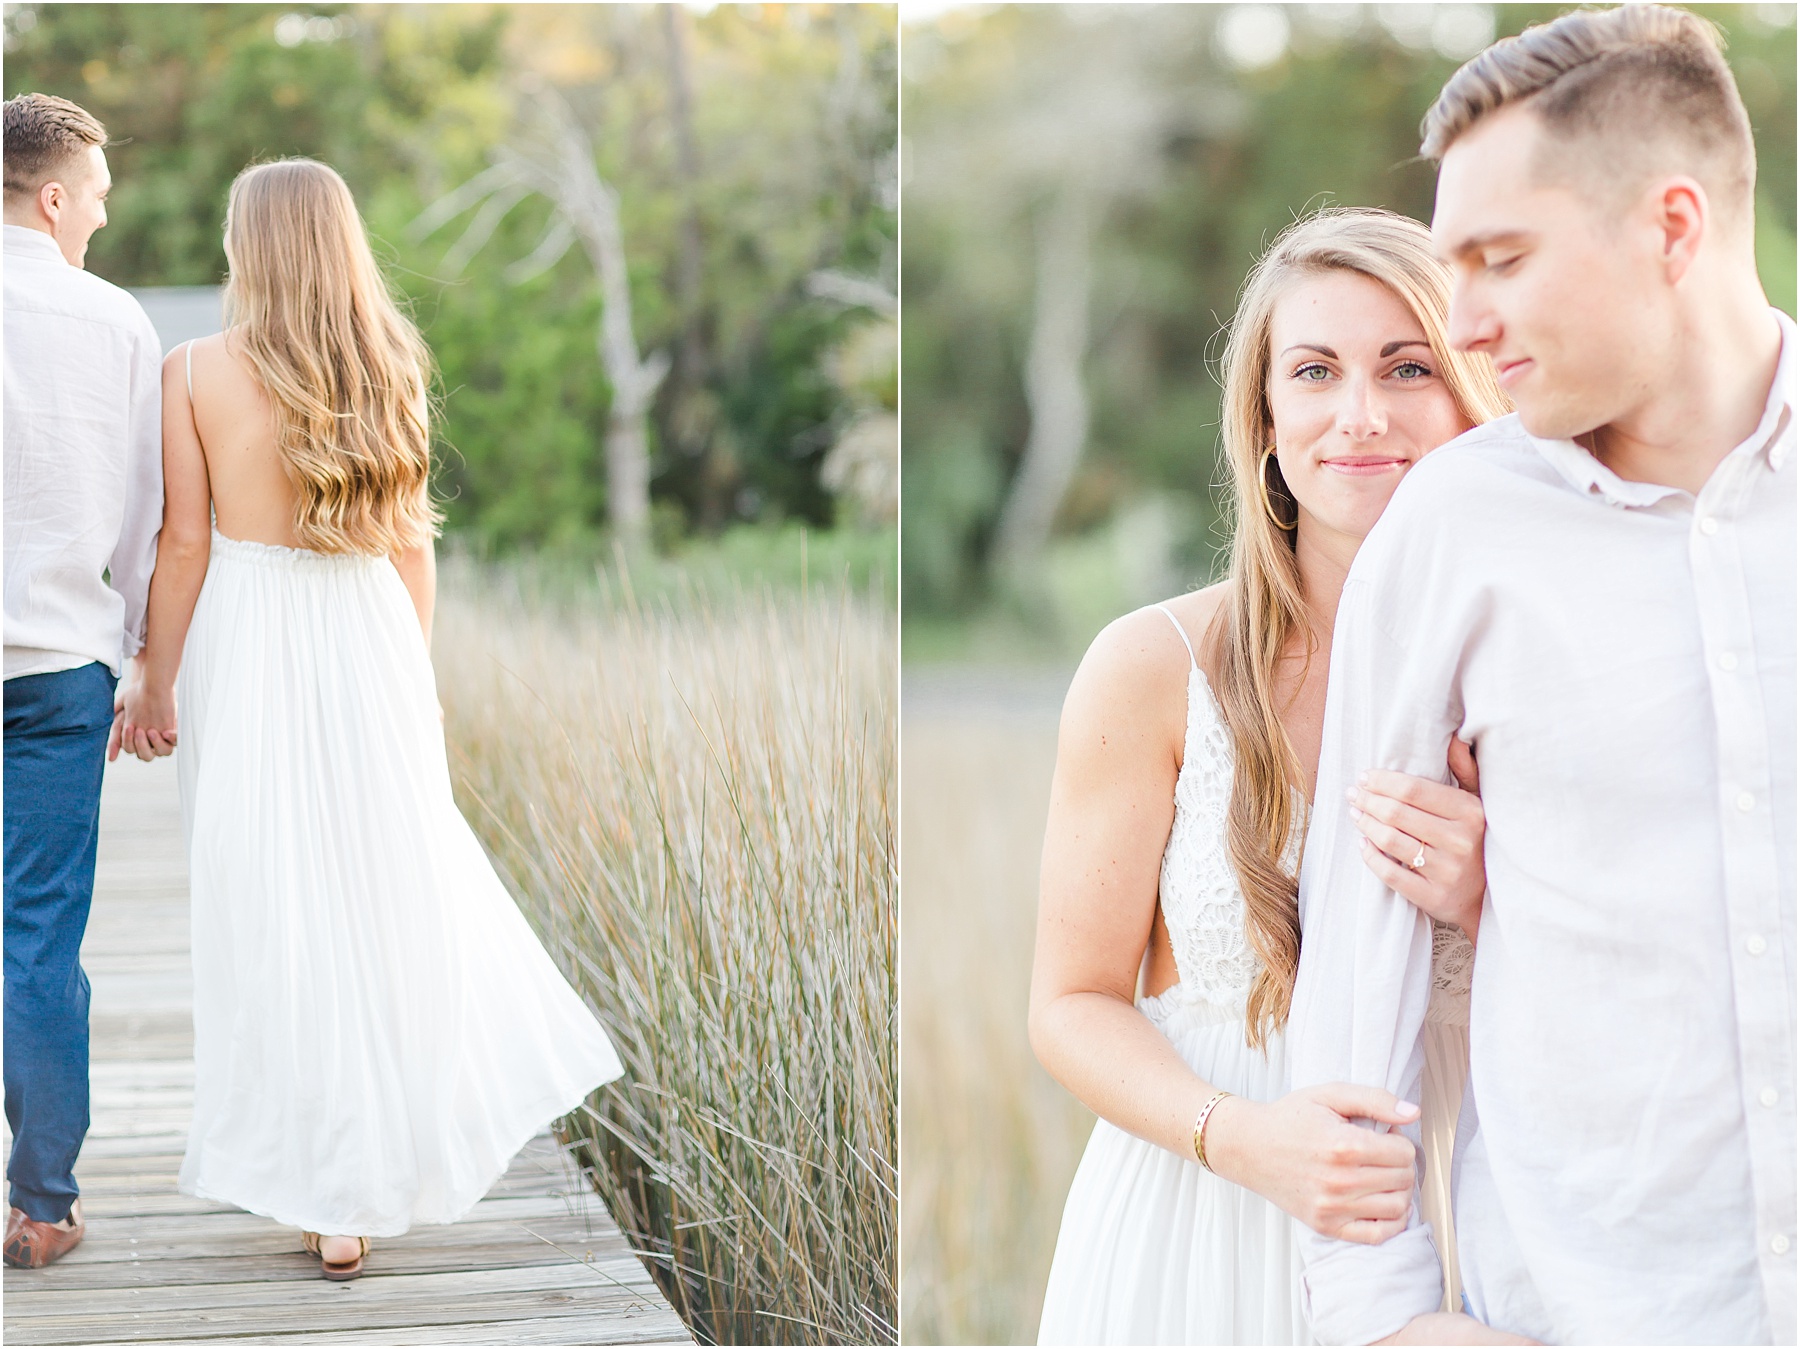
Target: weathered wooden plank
(142,1072)
(132,1029)
(542,1330)
(338,1308)
(624,1327)
(538,1261)
(128,1145)
(111,1237)
(500,1251)
(377,1288)
(130,1184)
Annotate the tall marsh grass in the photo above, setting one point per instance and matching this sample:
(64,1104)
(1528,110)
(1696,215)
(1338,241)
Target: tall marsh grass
(990,1142)
(693,798)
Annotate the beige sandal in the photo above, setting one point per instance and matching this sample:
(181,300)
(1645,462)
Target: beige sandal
(339,1273)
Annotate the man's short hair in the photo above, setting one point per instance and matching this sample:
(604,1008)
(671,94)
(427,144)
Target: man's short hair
(45,137)
(1616,91)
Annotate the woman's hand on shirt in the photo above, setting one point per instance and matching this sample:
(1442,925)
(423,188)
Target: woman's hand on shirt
(1303,1155)
(1403,817)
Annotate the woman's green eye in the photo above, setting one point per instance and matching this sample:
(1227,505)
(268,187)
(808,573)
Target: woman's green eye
(1305,372)
(1418,371)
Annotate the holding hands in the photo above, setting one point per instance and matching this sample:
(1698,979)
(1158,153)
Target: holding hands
(143,717)
(1424,839)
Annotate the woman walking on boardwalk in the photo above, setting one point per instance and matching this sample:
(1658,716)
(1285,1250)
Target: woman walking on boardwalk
(377,1031)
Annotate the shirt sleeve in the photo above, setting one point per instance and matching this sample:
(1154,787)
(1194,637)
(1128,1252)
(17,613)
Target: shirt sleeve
(134,556)
(1365,957)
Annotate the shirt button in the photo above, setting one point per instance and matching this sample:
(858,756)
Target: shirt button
(1727,661)
(1746,802)
(1769,1097)
(1779,1244)
(1709,526)
(1756,946)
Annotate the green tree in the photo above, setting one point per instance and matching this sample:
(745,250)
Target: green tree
(789,120)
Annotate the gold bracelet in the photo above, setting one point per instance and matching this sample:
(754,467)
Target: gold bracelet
(1200,1129)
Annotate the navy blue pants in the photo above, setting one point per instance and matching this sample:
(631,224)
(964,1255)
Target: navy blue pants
(56,729)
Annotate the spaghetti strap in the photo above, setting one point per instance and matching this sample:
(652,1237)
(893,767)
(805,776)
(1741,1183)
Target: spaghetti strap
(1170,615)
(190,372)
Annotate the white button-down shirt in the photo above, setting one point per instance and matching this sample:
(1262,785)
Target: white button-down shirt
(1622,656)
(83,468)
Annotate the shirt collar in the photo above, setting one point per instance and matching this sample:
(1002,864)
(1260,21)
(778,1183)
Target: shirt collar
(1587,474)
(26,242)
(1774,434)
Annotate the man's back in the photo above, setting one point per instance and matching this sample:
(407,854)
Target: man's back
(83,467)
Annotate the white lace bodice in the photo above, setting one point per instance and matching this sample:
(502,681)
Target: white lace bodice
(1202,904)
(1452,966)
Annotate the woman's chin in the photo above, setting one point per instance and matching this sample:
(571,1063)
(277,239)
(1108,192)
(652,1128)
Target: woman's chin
(1353,514)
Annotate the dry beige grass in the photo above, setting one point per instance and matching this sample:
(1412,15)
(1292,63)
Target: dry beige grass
(693,801)
(989,1141)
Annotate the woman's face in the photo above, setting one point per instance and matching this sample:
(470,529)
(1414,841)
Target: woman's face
(1356,396)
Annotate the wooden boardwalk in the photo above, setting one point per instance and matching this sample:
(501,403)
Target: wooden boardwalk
(539,1261)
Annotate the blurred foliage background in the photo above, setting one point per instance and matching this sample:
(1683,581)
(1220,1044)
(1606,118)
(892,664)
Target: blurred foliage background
(752,151)
(1150,152)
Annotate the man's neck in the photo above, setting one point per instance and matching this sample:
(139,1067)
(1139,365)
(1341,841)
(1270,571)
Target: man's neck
(33,221)
(1704,407)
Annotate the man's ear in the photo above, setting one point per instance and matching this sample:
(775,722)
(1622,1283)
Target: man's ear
(1682,217)
(52,198)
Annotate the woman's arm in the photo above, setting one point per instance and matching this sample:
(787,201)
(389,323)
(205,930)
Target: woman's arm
(145,725)
(1112,804)
(418,569)
(418,565)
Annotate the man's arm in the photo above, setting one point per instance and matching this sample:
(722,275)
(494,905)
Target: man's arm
(134,556)
(1365,955)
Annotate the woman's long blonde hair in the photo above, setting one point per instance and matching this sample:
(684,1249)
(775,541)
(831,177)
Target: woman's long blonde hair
(1264,607)
(345,370)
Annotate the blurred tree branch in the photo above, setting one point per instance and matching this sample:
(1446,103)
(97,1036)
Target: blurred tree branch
(552,154)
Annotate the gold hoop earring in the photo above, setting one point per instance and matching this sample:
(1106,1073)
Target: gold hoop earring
(1268,504)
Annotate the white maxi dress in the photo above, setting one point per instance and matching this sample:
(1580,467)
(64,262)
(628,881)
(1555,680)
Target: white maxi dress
(377,1030)
(1154,1249)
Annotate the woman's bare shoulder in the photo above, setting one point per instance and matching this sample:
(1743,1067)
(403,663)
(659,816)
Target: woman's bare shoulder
(222,381)
(1133,679)
(1198,610)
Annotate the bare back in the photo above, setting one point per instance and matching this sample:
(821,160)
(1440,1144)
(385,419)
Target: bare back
(252,498)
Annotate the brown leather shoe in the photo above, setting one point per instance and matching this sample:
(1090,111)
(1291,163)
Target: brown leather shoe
(32,1245)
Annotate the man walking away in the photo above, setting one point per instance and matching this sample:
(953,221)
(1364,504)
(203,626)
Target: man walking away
(83,501)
